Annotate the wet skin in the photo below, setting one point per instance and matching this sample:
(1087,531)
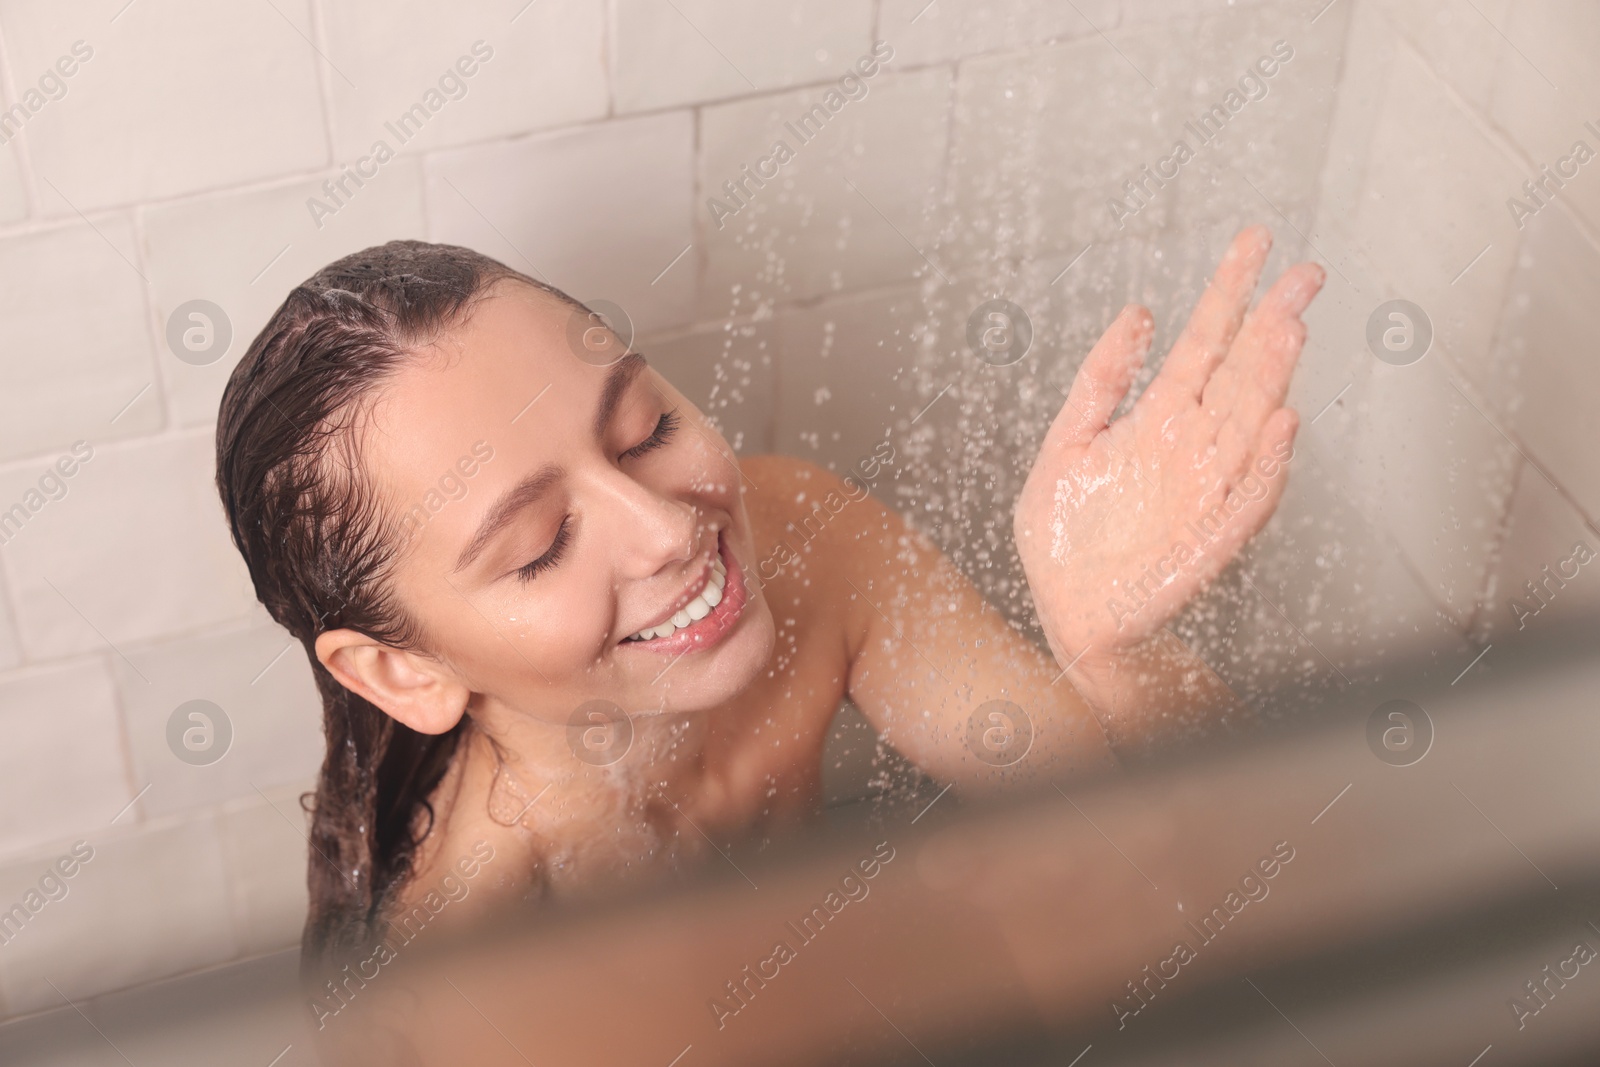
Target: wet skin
(616,497)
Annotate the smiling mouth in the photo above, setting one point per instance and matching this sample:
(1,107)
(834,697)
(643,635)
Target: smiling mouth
(692,612)
(707,616)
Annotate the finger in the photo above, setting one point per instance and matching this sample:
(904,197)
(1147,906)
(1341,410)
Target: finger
(1253,380)
(1260,387)
(1254,497)
(1217,317)
(1103,380)
(1291,294)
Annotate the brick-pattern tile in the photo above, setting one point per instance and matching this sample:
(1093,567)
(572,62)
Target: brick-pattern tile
(849,210)
(244,252)
(599,211)
(144,906)
(264,853)
(531,67)
(1544,375)
(699,50)
(729,372)
(260,680)
(64,772)
(136,549)
(954,29)
(173,97)
(78,350)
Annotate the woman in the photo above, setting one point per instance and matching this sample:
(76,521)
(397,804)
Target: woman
(525,570)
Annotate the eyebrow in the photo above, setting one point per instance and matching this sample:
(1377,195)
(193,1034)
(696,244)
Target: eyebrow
(539,482)
(617,382)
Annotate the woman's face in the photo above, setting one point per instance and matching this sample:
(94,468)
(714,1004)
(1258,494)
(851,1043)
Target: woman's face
(557,498)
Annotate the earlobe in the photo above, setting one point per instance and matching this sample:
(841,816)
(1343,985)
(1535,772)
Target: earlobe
(411,687)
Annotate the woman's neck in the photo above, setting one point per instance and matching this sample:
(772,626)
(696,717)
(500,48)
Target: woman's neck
(573,805)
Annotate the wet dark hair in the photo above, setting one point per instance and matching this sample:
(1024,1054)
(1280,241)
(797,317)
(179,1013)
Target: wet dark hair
(319,548)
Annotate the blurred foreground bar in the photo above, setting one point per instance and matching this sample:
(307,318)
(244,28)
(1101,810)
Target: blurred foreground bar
(1333,908)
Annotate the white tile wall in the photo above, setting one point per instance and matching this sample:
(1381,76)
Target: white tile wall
(1137,12)
(244,251)
(1370,43)
(137,550)
(1268,155)
(599,211)
(10,643)
(264,854)
(1423,244)
(250,1013)
(13,197)
(261,680)
(842,381)
(253,1013)
(695,50)
(728,371)
(1542,540)
(67,773)
(1461,42)
(852,209)
(146,906)
(1428,465)
(545,67)
(1063,204)
(224,95)
(1413,204)
(924,32)
(78,350)
(584,150)
(1546,87)
(1543,355)
(1359,606)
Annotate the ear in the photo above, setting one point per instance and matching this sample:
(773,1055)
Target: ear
(413,688)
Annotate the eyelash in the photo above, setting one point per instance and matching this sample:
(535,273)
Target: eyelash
(666,427)
(528,571)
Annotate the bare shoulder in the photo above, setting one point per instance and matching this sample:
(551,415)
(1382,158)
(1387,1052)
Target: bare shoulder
(770,473)
(793,501)
(774,484)
(817,530)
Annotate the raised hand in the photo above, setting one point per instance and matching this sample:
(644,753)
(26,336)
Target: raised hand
(1121,523)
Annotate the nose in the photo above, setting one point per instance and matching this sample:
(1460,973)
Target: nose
(654,531)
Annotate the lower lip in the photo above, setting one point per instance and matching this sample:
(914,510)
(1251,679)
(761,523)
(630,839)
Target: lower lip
(703,633)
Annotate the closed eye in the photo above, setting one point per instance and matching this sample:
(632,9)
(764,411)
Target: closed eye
(532,569)
(666,427)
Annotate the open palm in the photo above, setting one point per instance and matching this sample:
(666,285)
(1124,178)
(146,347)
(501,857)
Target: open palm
(1120,523)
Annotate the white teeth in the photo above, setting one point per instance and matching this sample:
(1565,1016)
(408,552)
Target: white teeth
(695,610)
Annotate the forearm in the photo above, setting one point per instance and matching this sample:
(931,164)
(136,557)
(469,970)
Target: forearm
(1156,694)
